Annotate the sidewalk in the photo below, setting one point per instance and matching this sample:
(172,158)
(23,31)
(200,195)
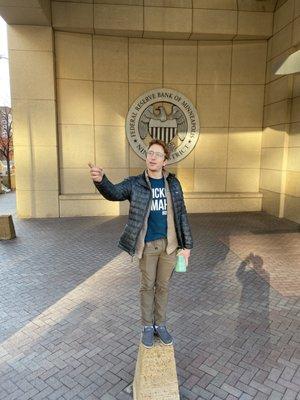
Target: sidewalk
(8,203)
(70,319)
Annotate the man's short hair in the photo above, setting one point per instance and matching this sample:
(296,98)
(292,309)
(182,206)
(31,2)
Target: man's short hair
(163,145)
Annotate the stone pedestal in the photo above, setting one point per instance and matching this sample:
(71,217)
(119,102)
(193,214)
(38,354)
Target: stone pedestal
(155,375)
(7,230)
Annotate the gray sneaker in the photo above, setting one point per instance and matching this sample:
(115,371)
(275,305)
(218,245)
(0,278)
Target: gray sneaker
(163,334)
(147,336)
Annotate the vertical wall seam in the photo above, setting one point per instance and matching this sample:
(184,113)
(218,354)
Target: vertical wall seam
(287,135)
(196,106)
(58,144)
(93,87)
(229,113)
(128,101)
(163,64)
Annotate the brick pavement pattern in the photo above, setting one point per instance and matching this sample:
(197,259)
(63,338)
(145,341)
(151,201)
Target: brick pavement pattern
(70,318)
(276,257)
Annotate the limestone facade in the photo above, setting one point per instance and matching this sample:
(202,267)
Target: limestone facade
(74,79)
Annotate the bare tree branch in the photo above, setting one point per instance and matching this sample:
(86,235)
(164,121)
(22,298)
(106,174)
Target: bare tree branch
(6,135)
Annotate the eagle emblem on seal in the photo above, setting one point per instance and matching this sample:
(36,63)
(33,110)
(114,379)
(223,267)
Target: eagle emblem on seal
(159,125)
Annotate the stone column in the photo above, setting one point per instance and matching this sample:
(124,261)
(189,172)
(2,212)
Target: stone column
(34,120)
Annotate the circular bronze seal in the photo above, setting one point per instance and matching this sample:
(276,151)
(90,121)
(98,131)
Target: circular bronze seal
(163,114)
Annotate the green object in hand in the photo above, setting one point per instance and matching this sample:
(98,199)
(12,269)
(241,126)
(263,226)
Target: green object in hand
(180,263)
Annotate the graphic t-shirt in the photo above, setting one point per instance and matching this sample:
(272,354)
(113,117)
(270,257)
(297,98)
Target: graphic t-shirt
(157,221)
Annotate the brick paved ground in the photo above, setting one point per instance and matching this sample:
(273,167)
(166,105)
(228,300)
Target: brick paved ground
(69,312)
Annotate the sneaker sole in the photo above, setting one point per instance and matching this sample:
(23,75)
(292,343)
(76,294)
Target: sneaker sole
(166,344)
(147,347)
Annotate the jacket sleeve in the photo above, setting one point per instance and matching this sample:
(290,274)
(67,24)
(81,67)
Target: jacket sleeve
(185,226)
(118,192)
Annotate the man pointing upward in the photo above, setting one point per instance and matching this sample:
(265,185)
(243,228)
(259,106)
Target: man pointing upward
(157,227)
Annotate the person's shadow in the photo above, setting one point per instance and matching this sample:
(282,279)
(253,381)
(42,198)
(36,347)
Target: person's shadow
(252,328)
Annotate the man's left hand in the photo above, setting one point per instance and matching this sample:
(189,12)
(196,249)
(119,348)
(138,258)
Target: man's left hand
(186,253)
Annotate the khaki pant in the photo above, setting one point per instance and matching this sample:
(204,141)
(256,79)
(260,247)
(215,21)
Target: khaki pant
(156,269)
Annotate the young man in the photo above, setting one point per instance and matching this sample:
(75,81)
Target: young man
(157,226)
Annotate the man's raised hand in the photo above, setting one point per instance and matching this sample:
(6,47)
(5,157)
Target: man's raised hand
(96,172)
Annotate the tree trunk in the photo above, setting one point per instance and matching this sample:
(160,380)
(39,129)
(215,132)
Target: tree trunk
(8,173)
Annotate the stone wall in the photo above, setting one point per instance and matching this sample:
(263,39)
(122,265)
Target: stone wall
(280,161)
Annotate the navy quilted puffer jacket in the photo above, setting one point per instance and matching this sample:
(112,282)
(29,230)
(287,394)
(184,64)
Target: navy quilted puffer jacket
(136,190)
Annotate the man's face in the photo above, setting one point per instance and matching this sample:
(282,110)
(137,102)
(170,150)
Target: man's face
(156,159)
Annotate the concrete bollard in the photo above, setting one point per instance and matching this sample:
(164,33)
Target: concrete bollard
(155,375)
(7,229)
